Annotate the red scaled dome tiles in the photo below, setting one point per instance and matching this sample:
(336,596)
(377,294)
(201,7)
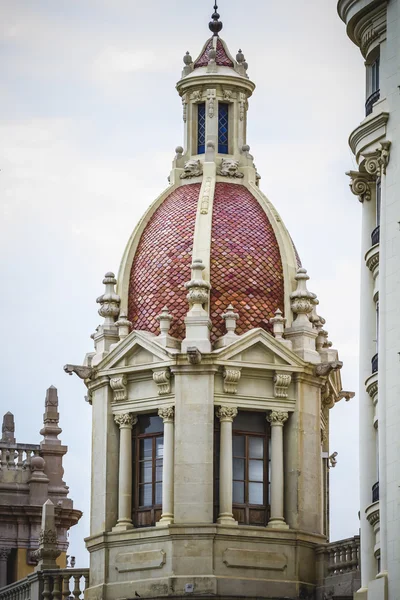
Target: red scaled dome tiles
(246,267)
(162,263)
(222,59)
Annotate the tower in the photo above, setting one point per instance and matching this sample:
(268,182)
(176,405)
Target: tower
(211,379)
(374,28)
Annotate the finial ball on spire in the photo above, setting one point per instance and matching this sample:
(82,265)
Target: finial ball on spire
(215,25)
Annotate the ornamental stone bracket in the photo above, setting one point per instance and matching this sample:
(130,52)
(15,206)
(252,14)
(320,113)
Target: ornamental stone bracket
(162,377)
(281,384)
(376,162)
(231,380)
(323,369)
(360,185)
(81,371)
(119,387)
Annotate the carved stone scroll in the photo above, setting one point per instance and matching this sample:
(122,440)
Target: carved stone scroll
(231,380)
(282,382)
(162,379)
(119,387)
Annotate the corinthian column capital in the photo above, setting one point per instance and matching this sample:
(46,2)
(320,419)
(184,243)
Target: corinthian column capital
(227,413)
(125,420)
(167,414)
(277,417)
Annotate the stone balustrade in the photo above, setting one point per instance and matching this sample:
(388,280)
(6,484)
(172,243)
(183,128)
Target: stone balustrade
(343,556)
(54,584)
(17,456)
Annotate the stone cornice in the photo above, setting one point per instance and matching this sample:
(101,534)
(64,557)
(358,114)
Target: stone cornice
(211,80)
(372,130)
(354,13)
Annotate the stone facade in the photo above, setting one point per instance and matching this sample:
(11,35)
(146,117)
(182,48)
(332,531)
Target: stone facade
(30,475)
(374,27)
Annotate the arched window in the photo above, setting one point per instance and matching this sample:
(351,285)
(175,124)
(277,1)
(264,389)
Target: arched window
(148,451)
(201,128)
(223,128)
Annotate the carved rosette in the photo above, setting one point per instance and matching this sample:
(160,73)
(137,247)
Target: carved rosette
(125,420)
(277,417)
(167,414)
(282,382)
(119,387)
(162,379)
(227,413)
(360,185)
(231,380)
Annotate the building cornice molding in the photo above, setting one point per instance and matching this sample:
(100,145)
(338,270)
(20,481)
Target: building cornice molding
(372,130)
(356,14)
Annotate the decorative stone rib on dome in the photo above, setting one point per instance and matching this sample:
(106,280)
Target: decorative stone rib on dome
(246,267)
(161,265)
(222,59)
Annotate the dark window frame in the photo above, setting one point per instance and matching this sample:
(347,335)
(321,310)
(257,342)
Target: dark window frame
(201,128)
(145,515)
(223,136)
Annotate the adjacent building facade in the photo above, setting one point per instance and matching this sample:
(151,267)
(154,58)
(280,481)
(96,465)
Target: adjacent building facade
(30,475)
(211,380)
(374,26)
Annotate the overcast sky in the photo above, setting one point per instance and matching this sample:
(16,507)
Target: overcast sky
(89,121)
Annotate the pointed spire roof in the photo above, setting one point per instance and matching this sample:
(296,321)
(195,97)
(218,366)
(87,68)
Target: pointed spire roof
(222,57)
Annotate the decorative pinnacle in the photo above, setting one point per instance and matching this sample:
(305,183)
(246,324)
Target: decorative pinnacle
(215,25)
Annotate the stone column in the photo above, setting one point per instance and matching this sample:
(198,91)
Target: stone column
(167,415)
(125,422)
(4,552)
(226,414)
(277,420)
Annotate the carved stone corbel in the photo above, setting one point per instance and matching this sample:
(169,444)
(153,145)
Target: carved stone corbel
(360,185)
(162,379)
(80,371)
(324,369)
(282,382)
(346,395)
(376,162)
(119,387)
(231,380)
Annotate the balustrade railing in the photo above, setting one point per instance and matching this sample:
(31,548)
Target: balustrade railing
(375,492)
(374,364)
(54,584)
(374,97)
(17,456)
(375,235)
(343,556)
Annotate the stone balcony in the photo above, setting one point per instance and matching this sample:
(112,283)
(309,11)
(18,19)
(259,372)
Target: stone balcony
(365,21)
(339,569)
(372,512)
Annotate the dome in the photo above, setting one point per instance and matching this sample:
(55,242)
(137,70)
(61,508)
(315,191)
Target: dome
(245,262)
(212,214)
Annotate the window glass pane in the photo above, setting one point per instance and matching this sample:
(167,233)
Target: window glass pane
(145,472)
(238,468)
(249,421)
(145,495)
(158,493)
(223,128)
(256,470)
(238,492)
(150,424)
(160,447)
(201,128)
(159,464)
(146,449)
(238,445)
(256,493)
(256,447)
